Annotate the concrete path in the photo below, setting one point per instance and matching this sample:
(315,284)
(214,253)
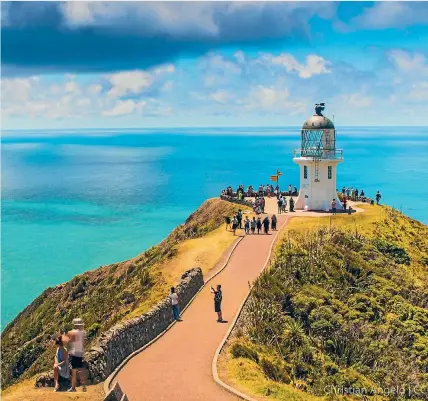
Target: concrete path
(178,366)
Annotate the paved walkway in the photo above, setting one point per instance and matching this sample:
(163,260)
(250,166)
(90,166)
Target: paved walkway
(178,366)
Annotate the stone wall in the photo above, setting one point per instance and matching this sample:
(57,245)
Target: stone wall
(113,346)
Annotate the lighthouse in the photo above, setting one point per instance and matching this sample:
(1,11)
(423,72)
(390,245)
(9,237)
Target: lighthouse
(318,159)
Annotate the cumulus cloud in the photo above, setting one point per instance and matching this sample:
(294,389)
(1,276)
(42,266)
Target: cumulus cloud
(391,14)
(314,65)
(114,36)
(123,107)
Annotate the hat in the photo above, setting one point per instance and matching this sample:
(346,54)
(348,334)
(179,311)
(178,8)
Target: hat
(78,322)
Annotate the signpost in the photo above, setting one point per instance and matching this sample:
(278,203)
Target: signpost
(275,178)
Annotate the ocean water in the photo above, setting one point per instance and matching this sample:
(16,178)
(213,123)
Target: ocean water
(73,201)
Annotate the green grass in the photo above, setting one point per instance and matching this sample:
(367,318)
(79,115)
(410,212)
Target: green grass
(344,305)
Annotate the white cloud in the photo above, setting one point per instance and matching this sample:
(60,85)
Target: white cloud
(17,89)
(129,82)
(389,14)
(315,65)
(419,92)
(94,89)
(409,62)
(220,96)
(124,107)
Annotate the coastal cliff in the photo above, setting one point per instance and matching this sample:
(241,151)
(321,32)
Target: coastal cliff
(102,297)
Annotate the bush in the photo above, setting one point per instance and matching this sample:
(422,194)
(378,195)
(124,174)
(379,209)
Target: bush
(393,251)
(274,371)
(239,350)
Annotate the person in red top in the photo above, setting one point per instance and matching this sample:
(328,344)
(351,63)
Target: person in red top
(344,203)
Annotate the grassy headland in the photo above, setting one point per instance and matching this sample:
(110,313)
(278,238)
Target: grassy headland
(344,307)
(109,294)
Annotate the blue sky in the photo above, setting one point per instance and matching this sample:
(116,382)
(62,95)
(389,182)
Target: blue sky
(153,64)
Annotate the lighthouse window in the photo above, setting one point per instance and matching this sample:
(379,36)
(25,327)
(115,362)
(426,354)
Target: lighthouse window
(329,172)
(305,172)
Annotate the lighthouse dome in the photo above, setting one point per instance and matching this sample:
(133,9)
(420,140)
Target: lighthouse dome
(318,122)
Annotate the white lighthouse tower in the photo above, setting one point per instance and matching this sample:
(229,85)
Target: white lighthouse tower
(318,159)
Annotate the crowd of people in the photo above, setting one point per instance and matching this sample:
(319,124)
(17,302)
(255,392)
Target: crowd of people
(267,190)
(250,226)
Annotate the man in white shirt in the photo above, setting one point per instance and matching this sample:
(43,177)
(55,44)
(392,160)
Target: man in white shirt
(75,340)
(174,302)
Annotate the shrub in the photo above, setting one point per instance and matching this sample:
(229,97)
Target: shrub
(393,251)
(240,350)
(274,371)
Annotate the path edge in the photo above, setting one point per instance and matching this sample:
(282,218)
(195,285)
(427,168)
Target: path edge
(108,382)
(232,326)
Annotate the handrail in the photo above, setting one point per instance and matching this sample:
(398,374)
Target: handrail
(319,153)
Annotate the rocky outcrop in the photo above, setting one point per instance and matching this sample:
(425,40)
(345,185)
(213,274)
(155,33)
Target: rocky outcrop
(233,199)
(116,344)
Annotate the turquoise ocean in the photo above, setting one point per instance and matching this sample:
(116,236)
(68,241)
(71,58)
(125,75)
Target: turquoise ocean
(76,200)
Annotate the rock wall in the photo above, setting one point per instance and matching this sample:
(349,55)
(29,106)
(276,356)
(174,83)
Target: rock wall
(123,339)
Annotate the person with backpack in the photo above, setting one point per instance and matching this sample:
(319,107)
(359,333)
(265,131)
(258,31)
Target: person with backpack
(253,225)
(218,297)
(259,225)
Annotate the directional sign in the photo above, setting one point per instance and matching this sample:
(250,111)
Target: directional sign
(274,178)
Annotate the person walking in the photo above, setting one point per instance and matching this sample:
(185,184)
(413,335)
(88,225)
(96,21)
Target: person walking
(234,224)
(61,367)
(227,219)
(284,205)
(239,218)
(279,202)
(291,204)
(266,224)
(344,203)
(75,340)
(378,196)
(259,225)
(273,224)
(253,225)
(333,206)
(173,296)
(218,297)
(247,225)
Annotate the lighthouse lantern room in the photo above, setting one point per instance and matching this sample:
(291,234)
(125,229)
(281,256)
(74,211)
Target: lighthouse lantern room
(318,159)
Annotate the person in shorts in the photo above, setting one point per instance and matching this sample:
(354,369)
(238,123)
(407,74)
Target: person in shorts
(75,340)
(218,297)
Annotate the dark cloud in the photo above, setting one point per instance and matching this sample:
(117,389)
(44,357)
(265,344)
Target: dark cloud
(89,37)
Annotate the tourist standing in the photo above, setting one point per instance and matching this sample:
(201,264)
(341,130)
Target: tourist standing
(239,218)
(218,297)
(75,340)
(378,196)
(291,204)
(253,225)
(247,225)
(290,189)
(234,224)
(344,203)
(284,205)
(274,220)
(61,367)
(173,296)
(266,224)
(227,219)
(279,202)
(333,206)
(259,225)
